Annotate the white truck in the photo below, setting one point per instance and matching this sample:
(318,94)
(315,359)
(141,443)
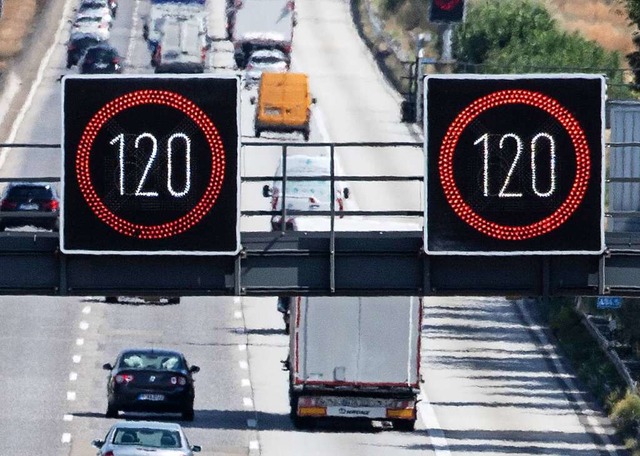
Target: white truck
(259,24)
(356,358)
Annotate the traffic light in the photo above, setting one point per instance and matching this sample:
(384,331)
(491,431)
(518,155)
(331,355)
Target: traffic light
(514,164)
(150,165)
(446,11)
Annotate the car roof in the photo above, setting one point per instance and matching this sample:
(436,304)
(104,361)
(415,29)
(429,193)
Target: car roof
(269,53)
(307,165)
(164,425)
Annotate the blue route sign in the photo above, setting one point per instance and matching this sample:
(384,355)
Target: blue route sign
(609,302)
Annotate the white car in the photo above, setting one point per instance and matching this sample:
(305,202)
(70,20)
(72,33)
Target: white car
(133,438)
(92,25)
(265,60)
(305,195)
(93,10)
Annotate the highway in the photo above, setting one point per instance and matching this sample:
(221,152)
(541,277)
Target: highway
(493,382)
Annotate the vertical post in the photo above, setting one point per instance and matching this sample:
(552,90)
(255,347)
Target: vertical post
(332,234)
(447,43)
(283,220)
(419,88)
(601,275)
(63,285)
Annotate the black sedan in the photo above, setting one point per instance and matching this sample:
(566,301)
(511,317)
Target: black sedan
(100,59)
(29,203)
(150,380)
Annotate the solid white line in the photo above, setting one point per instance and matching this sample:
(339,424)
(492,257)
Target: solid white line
(67,418)
(242,347)
(77,358)
(237,299)
(36,83)
(80,341)
(568,381)
(254,445)
(438,440)
(66,437)
(86,310)
(134,29)
(11,89)
(237,314)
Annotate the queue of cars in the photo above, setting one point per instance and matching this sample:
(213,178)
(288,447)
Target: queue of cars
(88,45)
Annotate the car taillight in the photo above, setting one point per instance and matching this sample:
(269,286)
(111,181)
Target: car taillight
(109,453)
(50,205)
(6,204)
(71,46)
(124,378)
(249,66)
(116,60)
(178,381)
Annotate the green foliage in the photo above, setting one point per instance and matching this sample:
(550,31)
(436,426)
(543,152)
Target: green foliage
(633,10)
(520,36)
(626,414)
(492,25)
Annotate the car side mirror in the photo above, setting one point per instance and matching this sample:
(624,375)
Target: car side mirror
(346,192)
(252,100)
(266,191)
(194,369)
(107,366)
(97,443)
(314,100)
(196,448)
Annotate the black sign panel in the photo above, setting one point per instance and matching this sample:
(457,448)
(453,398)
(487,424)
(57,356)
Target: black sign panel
(514,164)
(446,11)
(150,165)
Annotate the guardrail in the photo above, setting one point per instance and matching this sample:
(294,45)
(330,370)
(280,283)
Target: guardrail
(331,148)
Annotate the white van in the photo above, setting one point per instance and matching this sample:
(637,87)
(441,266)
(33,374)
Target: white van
(182,48)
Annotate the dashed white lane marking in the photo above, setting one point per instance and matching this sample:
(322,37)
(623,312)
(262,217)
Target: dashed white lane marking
(243,364)
(252,423)
(83,325)
(71,395)
(79,341)
(247,401)
(245,382)
(254,445)
(77,359)
(237,314)
(86,310)
(73,376)
(67,418)
(66,437)
(242,347)
(438,440)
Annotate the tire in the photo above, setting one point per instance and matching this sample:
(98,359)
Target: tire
(111,412)
(173,300)
(299,422)
(111,299)
(69,64)
(188,415)
(2,227)
(258,132)
(306,135)
(404,425)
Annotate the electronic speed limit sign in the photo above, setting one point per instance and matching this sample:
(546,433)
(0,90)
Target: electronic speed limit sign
(514,164)
(150,165)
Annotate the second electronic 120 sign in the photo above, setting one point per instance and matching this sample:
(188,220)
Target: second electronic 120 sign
(514,164)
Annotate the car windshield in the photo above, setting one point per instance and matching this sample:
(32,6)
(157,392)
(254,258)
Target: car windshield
(29,192)
(101,53)
(266,60)
(88,20)
(147,437)
(155,361)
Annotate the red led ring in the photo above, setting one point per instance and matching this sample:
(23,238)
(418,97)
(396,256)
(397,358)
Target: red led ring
(571,126)
(137,98)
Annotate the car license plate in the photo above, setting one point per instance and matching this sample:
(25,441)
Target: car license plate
(272,111)
(29,207)
(101,65)
(151,397)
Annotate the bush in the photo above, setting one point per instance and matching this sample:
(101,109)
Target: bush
(626,414)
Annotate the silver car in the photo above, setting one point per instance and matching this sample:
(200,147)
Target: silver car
(133,438)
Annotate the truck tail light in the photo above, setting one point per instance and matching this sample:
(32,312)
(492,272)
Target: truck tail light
(312,411)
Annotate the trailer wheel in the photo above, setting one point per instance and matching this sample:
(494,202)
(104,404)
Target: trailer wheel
(404,425)
(258,133)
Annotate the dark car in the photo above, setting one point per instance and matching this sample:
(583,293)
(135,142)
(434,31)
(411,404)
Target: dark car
(27,203)
(101,59)
(77,45)
(150,380)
